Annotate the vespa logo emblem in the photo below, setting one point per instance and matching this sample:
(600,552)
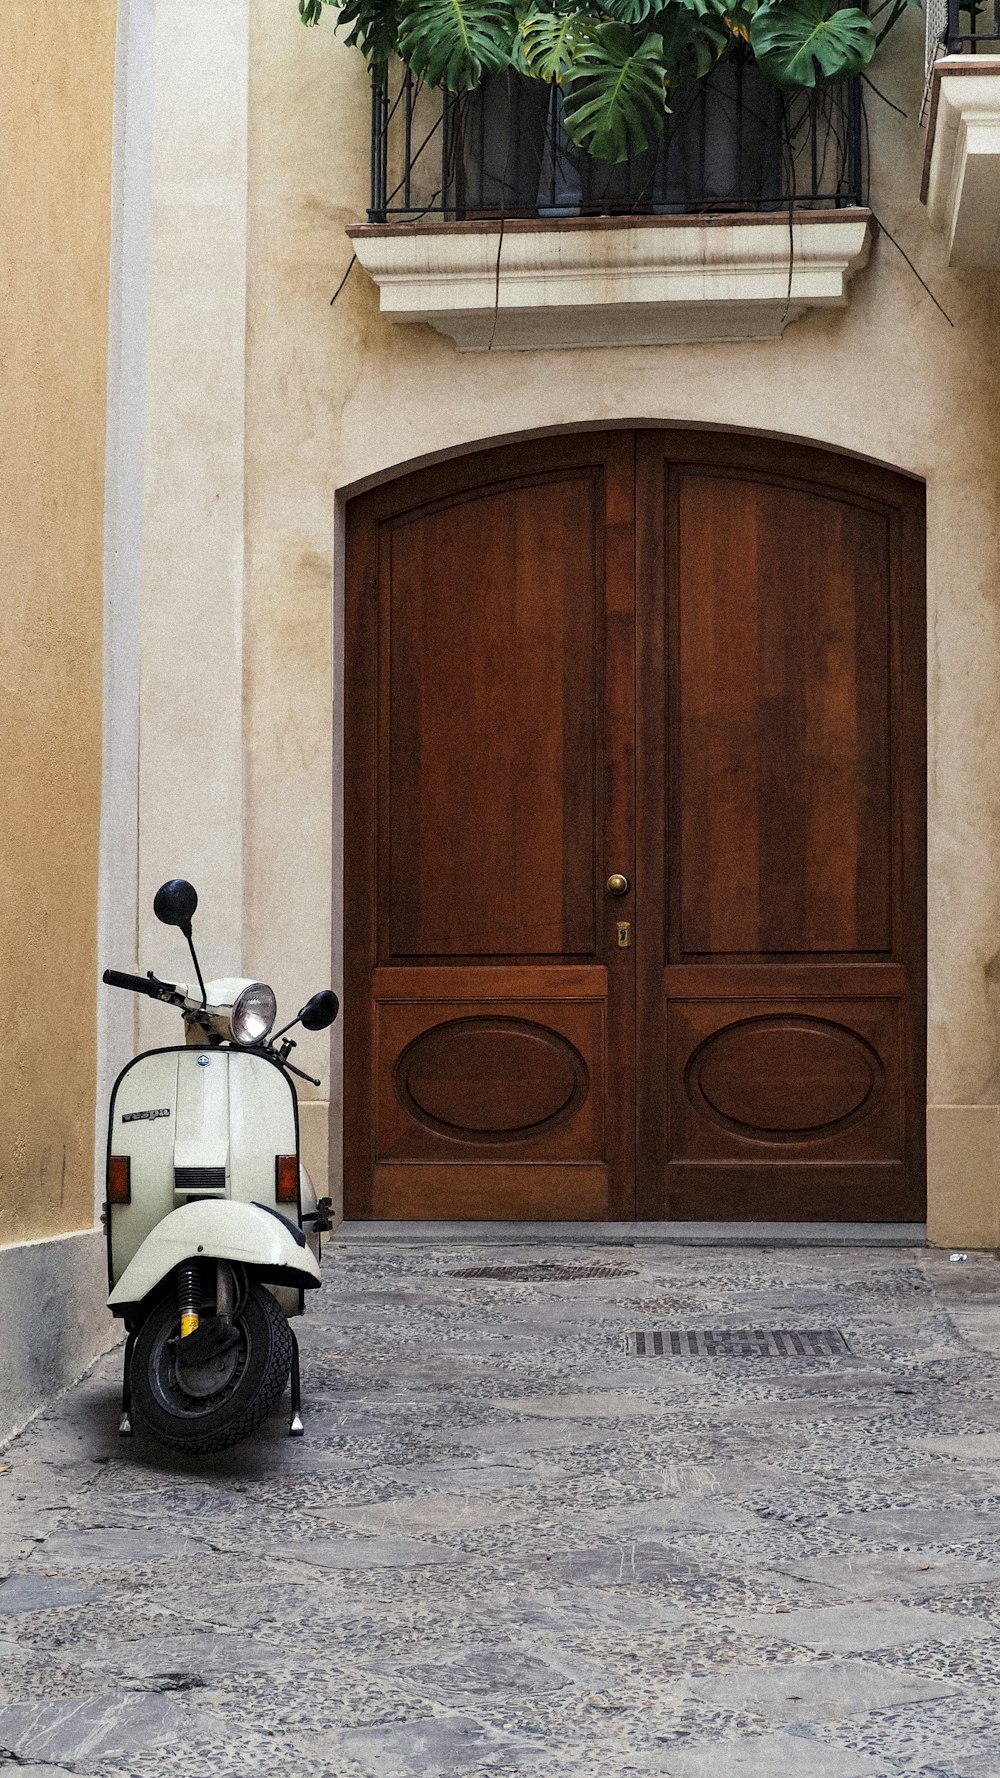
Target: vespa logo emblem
(137,1117)
(203,1061)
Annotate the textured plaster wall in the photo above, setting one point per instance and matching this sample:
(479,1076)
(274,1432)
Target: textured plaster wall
(55,152)
(336,397)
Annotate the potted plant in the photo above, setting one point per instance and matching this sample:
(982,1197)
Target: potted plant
(617,67)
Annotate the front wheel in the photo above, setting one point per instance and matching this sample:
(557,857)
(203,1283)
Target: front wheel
(212,1405)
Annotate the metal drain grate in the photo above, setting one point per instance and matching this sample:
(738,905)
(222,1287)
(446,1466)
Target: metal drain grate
(542,1273)
(752,1342)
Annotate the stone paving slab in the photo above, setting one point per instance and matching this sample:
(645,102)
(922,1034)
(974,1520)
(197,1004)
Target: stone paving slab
(898,1576)
(506,1546)
(447,1512)
(771,1756)
(442,1744)
(361,1554)
(858,1628)
(970,1447)
(817,1692)
(114,1722)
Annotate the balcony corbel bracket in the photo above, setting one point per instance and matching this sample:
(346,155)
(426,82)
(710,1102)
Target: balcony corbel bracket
(613,281)
(961,183)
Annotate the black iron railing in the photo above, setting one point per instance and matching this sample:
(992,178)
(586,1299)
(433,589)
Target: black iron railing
(731,141)
(973,27)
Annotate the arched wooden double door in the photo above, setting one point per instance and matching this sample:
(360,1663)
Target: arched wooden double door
(695,661)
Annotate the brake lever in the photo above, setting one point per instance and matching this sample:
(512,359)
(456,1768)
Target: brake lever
(313,1082)
(170,993)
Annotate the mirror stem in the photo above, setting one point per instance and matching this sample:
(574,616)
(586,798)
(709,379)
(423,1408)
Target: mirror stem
(276,1034)
(186,929)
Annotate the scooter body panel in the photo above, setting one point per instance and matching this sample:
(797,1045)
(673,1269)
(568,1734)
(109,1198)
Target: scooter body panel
(200,1125)
(223,1229)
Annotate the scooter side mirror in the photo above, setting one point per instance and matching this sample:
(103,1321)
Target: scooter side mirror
(320,1011)
(175,902)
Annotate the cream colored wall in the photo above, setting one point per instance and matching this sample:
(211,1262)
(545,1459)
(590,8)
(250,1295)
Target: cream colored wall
(191,573)
(335,397)
(55,150)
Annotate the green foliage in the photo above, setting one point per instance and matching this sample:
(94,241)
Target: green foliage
(373,27)
(632,12)
(694,34)
(615,60)
(616,102)
(455,43)
(369,25)
(798,42)
(552,41)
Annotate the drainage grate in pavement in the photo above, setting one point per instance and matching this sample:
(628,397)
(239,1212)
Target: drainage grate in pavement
(753,1342)
(544,1272)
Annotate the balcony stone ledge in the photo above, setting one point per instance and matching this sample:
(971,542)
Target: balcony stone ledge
(613,281)
(961,182)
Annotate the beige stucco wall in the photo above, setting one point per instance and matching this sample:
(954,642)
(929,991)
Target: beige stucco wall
(55,152)
(332,397)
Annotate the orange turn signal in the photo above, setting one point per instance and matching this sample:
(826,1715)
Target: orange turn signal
(119,1179)
(286,1178)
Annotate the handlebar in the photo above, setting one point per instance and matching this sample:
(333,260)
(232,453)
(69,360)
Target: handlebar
(139,984)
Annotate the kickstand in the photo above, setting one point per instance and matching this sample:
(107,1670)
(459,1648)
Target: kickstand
(295,1426)
(125,1420)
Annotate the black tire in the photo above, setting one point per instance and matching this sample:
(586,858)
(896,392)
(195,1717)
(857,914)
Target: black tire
(259,1369)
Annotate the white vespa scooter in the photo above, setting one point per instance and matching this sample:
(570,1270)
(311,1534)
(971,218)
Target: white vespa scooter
(213,1226)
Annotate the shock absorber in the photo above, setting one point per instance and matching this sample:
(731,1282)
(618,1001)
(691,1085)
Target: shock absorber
(189,1297)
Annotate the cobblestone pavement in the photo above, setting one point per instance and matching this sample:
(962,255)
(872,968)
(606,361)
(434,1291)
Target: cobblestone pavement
(508,1544)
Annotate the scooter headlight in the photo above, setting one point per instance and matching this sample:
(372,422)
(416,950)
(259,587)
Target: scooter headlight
(254,1013)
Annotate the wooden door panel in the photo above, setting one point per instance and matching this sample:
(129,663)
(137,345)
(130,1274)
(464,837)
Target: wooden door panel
(468,1080)
(485,809)
(771,1080)
(489,707)
(782,836)
(499,1191)
(791,1191)
(781,676)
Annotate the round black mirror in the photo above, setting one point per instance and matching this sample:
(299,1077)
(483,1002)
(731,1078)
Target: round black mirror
(175,902)
(320,1011)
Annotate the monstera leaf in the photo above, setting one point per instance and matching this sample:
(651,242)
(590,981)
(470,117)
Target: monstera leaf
(371,26)
(631,12)
(694,36)
(455,43)
(616,103)
(798,42)
(551,42)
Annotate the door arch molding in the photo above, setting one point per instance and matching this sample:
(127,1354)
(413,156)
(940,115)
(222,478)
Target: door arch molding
(471,448)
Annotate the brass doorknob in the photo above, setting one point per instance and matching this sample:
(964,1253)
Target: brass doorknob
(617,884)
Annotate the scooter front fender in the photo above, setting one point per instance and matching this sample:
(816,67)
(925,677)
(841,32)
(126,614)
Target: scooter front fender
(217,1229)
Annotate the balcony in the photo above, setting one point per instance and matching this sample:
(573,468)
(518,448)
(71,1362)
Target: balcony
(961,183)
(487,223)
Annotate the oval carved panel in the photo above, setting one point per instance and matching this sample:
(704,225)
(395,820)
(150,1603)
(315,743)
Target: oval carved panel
(491,1079)
(784,1077)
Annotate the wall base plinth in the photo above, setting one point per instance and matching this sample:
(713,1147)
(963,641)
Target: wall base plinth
(963,1175)
(53,1320)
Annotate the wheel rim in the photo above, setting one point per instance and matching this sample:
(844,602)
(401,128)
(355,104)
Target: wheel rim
(189,1396)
